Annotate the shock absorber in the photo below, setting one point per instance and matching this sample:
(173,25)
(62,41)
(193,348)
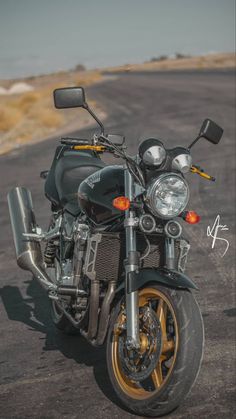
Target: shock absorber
(50,252)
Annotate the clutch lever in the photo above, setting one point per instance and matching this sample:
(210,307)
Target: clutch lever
(110,139)
(79,145)
(200,172)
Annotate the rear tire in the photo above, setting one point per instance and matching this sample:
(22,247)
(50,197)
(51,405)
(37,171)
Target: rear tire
(165,392)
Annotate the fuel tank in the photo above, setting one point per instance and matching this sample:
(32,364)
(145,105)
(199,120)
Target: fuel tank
(68,170)
(97,192)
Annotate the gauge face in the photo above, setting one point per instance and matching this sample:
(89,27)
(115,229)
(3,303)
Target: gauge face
(182,162)
(168,195)
(152,152)
(154,156)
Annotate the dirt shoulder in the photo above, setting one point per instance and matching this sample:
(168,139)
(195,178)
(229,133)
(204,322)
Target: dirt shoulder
(210,61)
(27,113)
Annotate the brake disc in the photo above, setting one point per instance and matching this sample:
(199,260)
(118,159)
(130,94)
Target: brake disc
(138,364)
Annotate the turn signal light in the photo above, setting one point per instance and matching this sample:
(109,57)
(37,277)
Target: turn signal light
(191,217)
(121,203)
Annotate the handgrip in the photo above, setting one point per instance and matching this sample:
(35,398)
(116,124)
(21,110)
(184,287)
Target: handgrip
(74,141)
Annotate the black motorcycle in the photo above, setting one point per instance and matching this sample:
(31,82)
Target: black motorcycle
(113,258)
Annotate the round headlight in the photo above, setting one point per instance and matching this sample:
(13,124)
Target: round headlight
(168,195)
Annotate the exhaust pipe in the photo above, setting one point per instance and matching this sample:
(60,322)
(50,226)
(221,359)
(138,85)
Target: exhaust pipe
(28,251)
(105,313)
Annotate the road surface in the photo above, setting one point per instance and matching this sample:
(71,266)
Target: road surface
(46,375)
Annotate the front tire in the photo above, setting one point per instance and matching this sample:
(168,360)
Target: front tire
(177,367)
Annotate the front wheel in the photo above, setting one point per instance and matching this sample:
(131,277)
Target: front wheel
(153,380)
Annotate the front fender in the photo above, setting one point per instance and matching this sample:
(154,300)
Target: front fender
(163,276)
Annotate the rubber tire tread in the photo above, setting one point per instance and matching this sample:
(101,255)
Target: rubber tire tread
(188,360)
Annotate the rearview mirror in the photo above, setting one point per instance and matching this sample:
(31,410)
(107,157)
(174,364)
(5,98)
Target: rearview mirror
(69,97)
(211,131)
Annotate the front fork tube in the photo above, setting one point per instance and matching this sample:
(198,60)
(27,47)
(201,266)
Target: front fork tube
(132,300)
(170,262)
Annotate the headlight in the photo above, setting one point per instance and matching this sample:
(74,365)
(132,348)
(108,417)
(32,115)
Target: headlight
(168,195)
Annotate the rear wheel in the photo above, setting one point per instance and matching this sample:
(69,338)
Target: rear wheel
(154,380)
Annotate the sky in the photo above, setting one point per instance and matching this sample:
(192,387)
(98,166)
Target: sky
(43,36)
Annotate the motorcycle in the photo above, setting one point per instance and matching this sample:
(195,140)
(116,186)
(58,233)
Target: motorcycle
(113,258)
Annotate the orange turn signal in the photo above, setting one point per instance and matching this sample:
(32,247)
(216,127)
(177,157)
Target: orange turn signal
(191,217)
(121,203)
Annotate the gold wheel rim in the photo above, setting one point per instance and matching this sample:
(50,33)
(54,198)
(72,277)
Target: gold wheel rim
(169,346)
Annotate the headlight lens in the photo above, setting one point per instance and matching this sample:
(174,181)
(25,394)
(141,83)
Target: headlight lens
(168,195)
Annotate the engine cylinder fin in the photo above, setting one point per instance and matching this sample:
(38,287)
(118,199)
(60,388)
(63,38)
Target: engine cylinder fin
(49,252)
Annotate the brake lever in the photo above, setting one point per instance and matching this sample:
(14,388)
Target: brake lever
(200,172)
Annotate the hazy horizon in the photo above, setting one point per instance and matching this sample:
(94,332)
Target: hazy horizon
(53,35)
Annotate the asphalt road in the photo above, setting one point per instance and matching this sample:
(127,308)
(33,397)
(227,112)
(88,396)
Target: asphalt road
(46,375)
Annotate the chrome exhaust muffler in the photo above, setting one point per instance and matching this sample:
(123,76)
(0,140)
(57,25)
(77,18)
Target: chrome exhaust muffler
(28,250)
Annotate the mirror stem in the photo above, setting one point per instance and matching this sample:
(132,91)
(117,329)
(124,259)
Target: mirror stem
(86,106)
(194,142)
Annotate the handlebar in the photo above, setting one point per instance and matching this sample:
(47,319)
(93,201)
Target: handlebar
(74,141)
(102,140)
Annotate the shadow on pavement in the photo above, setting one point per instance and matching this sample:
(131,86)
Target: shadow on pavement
(34,311)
